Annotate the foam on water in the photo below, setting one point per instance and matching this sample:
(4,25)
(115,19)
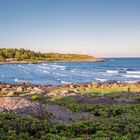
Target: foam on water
(43,67)
(132,76)
(64,82)
(44,64)
(131,82)
(100,79)
(133,72)
(46,71)
(20,81)
(58,66)
(112,71)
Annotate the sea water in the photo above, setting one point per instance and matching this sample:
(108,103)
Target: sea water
(121,70)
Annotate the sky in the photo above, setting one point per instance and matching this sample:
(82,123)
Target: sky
(103,28)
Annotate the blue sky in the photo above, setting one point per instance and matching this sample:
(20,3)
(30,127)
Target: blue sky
(104,28)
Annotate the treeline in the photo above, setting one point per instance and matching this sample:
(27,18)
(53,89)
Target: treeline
(19,54)
(28,55)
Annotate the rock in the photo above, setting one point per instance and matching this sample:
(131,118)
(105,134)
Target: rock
(125,101)
(71,94)
(19,89)
(89,85)
(36,89)
(51,94)
(8,86)
(71,86)
(95,85)
(5,90)
(12,93)
(29,88)
(20,106)
(86,89)
(65,91)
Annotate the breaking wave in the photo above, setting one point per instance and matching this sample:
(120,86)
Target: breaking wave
(100,79)
(132,76)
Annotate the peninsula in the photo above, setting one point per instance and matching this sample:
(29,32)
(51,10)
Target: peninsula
(23,56)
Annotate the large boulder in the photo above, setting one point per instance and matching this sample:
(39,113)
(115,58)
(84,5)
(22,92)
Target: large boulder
(20,106)
(26,108)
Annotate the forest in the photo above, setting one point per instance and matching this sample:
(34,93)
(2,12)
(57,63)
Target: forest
(8,55)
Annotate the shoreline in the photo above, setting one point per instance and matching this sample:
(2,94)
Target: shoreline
(37,62)
(6,88)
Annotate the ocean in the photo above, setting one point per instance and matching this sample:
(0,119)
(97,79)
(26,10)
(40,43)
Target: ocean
(121,70)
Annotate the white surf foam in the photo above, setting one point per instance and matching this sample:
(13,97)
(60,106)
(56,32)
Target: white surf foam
(44,64)
(132,76)
(43,67)
(62,69)
(64,82)
(21,81)
(100,79)
(46,71)
(131,82)
(58,73)
(112,71)
(133,72)
(58,66)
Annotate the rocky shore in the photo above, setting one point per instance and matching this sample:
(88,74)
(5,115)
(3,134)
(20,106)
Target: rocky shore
(18,89)
(25,99)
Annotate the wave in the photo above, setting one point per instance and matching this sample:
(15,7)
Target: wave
(44,64)
(100,79)
(112,71)
(21,66)
(133,72)
(131,82)
(62,69)
(63,82)
(58,73)
(43,67)
(21,81)
(46,71)
(24,68)
(58,66)
(118,71)
(125,70)
(132,76)
(74,70)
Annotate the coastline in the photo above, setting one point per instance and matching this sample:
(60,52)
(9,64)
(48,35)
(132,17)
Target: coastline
(84,87)
(36,62)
